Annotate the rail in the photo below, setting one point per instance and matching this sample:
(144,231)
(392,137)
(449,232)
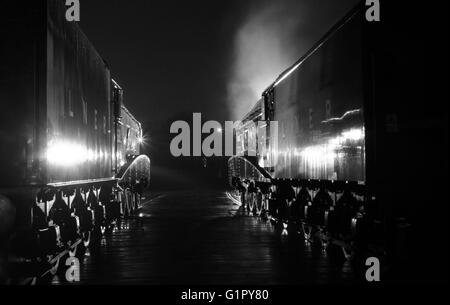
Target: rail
(136,170)
(244,168)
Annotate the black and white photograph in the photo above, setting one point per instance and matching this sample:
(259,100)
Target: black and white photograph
(226,150)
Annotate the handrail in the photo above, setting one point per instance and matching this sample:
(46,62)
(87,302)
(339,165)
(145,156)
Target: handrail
(139,163)
(247,169)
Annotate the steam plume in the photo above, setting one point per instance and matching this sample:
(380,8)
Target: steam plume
(272,37)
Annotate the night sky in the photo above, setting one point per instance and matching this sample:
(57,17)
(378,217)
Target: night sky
(181,56)
(174,58)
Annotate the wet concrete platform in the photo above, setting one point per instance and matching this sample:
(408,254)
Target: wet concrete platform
(202,237)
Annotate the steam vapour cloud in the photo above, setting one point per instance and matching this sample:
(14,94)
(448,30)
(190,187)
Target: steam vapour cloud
(270,39)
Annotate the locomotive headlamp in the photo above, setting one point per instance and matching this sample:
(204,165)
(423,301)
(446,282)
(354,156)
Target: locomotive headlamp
(143,139)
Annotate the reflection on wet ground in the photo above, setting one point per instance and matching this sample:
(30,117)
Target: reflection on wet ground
(202,237)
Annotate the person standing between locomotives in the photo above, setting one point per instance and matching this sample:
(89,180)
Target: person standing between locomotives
(252,191)
(242,187)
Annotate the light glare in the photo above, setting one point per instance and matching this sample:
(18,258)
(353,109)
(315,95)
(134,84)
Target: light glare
(66,154)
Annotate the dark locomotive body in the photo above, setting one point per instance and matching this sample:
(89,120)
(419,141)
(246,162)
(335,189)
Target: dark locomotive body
(57,119)
(55,92)
(77,103)
(319,106)
(354,115)
(129,138)
(67,139)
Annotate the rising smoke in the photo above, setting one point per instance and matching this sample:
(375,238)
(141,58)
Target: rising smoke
(270,39)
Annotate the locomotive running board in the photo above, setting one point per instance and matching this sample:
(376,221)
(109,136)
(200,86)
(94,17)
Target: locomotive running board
(83,183)
(137,168)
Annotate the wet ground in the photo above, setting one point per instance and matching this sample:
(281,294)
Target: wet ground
(201,237)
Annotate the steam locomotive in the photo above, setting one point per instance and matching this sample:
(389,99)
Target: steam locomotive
(356,126)
(70,158)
